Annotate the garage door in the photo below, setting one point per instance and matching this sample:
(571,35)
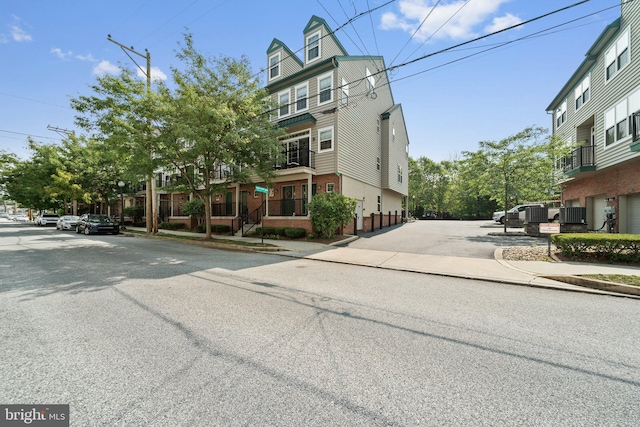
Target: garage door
(633,214)
(598,215)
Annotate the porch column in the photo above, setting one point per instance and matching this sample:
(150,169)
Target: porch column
(309,187)
(237,199)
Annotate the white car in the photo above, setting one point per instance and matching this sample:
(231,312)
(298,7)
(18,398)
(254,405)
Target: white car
(500,216)
(21,218)
(46,219)
(67,222)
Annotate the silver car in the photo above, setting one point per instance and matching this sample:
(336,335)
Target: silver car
(67,222)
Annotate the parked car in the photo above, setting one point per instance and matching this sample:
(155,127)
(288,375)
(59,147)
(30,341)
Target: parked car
(67,222)
(429,215)
(21,218)
(552,213)
(46,219)
(4,215)
(93,223)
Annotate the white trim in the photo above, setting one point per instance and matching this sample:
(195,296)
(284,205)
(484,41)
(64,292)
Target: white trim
(333,187)
(279,65)
(371,81)
(560,112)
(306,50)
(333,140)
(324,77)
(580,90)
(287,103)
(344,92)
(295,94)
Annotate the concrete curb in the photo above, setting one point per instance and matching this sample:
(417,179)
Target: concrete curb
(584,282)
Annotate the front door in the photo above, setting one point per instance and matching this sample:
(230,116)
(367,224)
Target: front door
(229,203)
(288,200)
(244,207)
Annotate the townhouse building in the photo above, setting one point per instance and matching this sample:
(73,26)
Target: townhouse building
(597,114)
(344,133)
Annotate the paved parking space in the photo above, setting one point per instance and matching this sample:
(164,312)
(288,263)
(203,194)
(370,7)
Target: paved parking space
(443,237)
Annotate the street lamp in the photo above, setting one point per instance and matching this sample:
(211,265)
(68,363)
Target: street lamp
(121,185)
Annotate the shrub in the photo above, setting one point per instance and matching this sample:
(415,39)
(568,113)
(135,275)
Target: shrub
(295,233)
(329,211)
(201,228)
(221,228)
(279,231)
(136,212)
(172,225)
(610,247)
(269,231)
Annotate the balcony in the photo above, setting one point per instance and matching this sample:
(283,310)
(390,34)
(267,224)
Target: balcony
(582,159)
(635,122)
(295,158)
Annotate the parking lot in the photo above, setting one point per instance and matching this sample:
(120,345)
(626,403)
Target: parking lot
(444,237)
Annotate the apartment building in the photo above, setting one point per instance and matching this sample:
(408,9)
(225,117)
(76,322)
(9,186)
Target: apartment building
(597,113)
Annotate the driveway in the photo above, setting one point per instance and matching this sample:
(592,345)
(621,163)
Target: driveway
(443,237)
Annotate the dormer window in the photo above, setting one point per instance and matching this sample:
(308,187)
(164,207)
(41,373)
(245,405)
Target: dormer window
(274,66)
(313,47)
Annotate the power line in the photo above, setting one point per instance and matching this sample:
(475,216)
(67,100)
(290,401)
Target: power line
(27,134)
(416,31)
(34,100)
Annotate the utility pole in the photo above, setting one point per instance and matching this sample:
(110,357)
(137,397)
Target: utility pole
(151,202)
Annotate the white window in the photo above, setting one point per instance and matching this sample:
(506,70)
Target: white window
(582,92)
(371,81)
(378,163)
(378,126)
(345,92)
(313,47)
(283,101)
(617,119)
(618,56)
(393,134)
(379,204)
(325,139)
(325,88)
(561,114)
(302,102)
(330,187)
(274,66)
(399,173)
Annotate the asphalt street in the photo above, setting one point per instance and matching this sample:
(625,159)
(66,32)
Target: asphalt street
(139,332)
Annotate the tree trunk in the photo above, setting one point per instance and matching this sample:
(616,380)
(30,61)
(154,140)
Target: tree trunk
(207,214)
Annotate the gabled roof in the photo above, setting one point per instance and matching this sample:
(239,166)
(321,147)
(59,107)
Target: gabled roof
(277,44)
(591,57)
(316,22)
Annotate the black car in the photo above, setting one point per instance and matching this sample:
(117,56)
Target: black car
(93,223)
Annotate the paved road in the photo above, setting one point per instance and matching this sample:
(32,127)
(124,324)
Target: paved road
(448,238)
(134,332)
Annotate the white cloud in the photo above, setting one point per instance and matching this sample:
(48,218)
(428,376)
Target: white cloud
(88,58)
(502,22)
(156,74)
(60,54)
(16,31)
(105,67)
(463,24)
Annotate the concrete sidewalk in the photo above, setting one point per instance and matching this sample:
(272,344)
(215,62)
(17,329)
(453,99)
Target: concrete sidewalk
(527,273)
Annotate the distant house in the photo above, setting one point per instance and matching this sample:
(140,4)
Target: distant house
(597,113)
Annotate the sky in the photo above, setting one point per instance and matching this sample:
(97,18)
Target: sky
(52,51)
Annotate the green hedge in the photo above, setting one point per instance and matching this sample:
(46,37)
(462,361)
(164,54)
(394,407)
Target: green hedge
(610,247)
(295,233)
(291,233)
(172,225)
(219,228)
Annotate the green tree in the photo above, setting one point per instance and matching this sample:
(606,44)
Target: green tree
(515,169)
(430,183)
(214,127)
(118,118)
(329,211)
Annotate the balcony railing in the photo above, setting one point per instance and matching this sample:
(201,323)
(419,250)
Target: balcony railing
(635,121)
(579,158)
(295,158)
(288,207)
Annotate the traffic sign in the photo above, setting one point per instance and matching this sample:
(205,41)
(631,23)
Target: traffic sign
(262,189)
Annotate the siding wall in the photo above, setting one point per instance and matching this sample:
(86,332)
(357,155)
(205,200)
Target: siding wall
(328,45)
(605,95)
(397,153)
(358,139)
